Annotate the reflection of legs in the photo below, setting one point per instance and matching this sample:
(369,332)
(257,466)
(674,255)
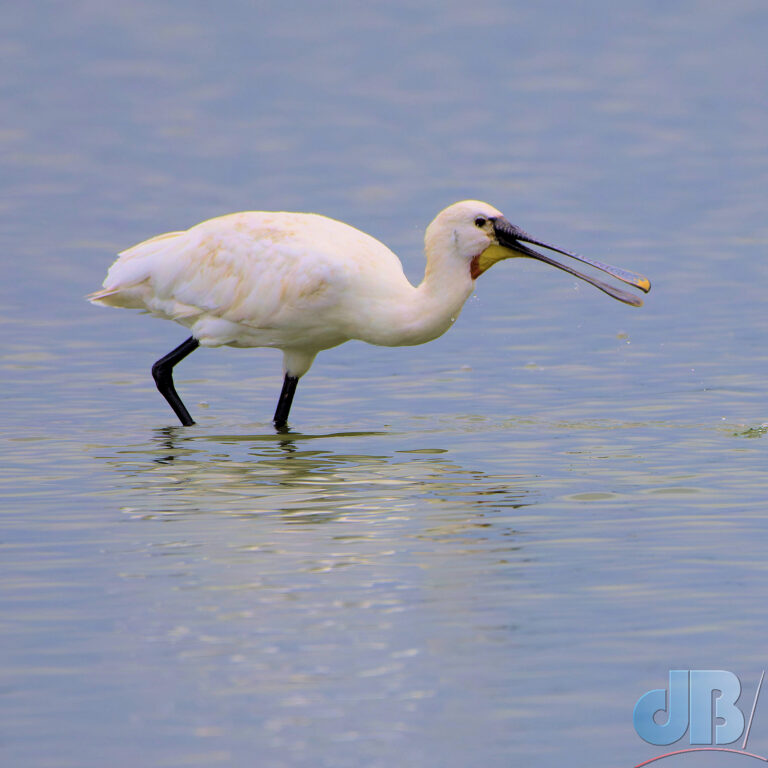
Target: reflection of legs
(162,372)
(286,398)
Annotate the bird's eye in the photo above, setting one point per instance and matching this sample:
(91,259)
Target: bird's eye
(480,222)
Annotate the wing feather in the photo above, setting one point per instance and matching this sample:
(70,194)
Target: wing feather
(257,270)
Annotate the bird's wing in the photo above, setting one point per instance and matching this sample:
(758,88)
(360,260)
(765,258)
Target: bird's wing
(264,270)
(258,269)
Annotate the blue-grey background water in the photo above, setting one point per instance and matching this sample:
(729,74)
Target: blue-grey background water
(480,552)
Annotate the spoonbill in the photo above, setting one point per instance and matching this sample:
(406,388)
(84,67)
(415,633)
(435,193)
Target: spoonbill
(302,282)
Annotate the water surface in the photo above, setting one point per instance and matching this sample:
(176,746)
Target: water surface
(478,552)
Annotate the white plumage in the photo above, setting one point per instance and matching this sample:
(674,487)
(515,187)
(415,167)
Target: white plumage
(302,283)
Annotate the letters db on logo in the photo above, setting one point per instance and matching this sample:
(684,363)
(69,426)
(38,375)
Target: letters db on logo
(700,701)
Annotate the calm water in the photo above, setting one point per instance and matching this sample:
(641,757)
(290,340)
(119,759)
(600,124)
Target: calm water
(476,553)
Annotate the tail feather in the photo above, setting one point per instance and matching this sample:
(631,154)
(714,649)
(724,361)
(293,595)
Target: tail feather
(127,281)
(128,297)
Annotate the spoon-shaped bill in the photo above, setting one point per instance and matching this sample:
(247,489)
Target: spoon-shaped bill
(513,237)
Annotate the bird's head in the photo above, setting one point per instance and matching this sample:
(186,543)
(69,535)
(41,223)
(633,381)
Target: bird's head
(478,234)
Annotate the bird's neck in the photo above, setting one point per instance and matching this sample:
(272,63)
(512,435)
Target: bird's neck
(429,309)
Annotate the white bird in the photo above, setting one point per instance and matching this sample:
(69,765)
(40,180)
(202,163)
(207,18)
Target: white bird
(302,282)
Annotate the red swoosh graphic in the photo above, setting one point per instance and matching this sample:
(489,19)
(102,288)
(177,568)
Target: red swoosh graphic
(703,749)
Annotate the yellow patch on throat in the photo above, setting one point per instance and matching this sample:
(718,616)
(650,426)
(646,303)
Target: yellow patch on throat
(488,258)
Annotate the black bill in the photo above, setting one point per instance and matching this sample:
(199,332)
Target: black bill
(513,237)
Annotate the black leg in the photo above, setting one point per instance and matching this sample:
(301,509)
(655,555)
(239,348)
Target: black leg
(286,398)
(162,372)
